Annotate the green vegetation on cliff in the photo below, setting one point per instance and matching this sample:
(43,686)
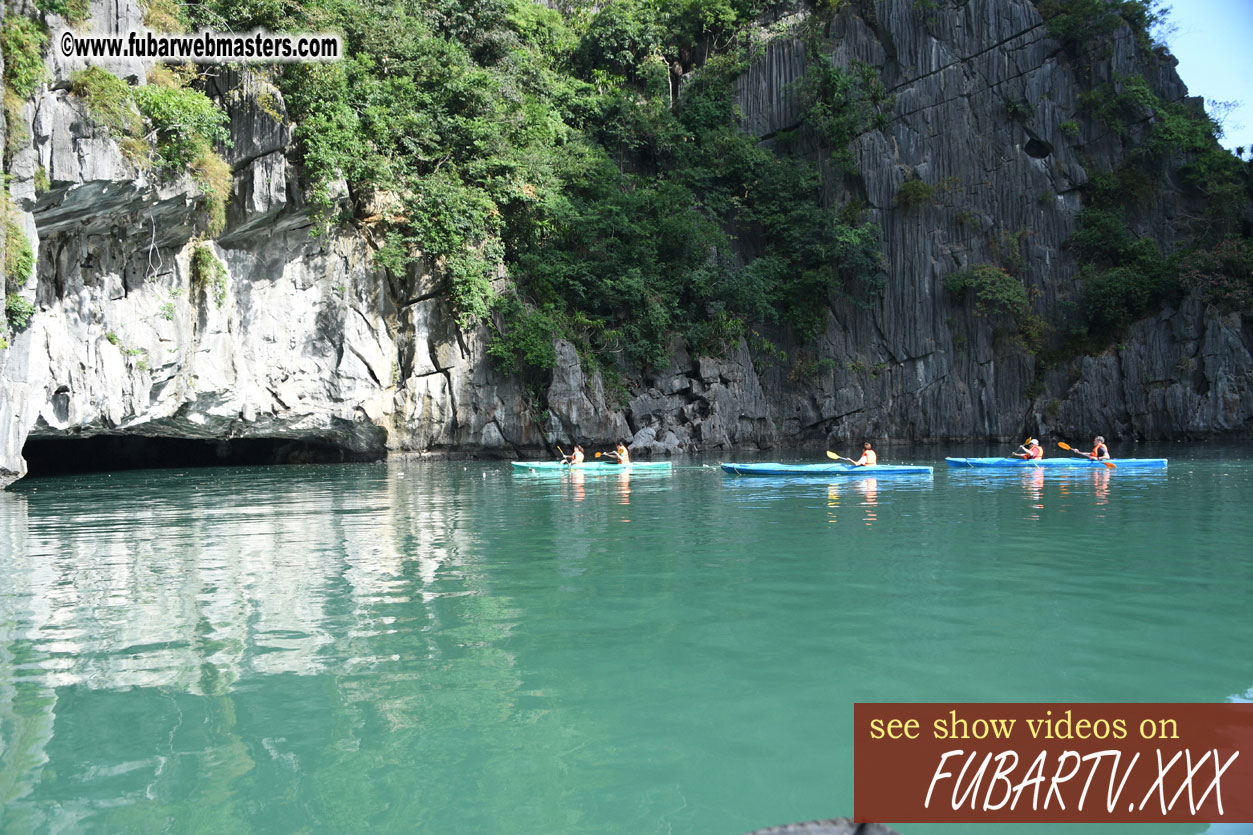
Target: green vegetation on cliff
(22,42)
(595,154)
(19,256)
(1172,145)
(182,124)
(625,207)
(208,274)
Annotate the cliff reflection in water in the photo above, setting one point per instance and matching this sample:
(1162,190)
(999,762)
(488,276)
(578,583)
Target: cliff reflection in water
(145,587)
(160,584)
(374,598)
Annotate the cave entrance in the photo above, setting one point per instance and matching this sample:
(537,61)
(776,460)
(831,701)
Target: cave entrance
(100,453)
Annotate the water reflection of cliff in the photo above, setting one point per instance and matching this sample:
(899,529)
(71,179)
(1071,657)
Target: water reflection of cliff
(138,588)
(26,718)
(169,596)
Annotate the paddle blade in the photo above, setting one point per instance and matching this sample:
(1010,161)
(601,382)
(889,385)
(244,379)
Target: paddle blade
(599,454)
(833,456)
(1064,445)
(1111,465)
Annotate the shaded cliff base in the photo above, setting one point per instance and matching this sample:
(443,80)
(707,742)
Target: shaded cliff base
(101,453)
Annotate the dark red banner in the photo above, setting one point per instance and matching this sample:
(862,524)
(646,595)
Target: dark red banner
(1060,763)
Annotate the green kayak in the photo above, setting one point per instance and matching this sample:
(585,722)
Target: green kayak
(588,466)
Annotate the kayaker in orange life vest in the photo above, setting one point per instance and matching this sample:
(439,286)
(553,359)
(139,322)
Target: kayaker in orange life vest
(576,457)
(868,457)
(1030,450)
(1099,452)
(621,453)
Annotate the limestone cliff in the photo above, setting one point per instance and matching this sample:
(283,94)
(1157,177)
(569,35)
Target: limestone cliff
(308,339)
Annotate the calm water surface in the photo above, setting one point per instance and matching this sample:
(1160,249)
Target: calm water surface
(452,647)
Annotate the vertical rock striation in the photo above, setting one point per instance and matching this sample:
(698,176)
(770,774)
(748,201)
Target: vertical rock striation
(981,96)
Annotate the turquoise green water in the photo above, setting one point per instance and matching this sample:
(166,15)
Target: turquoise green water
(450,647)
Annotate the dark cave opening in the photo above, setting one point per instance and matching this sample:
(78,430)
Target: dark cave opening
(101,453)
(1038,148)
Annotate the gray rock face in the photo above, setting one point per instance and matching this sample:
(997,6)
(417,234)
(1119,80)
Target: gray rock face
(1184,373)
(312,341)
(702,404)
(981,94)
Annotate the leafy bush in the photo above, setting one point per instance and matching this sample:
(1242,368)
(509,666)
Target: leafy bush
(1007,249)
(524,340)
(108,100)
(843,103)
(22,41)
(995,292)
(19,256)
(913,193)
(1123,277)
(208,273)
(165,16)
(1080,23)
(186,122)
(1175,131)
(1116,297)
(18,311)
(214,177)
(1223,274)
(714,336)
(1128,186)
(74,11)
(619,37)
(1018,110)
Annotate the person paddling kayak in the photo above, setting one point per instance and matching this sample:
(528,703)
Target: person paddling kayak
(1030,450)
(576,457)
(621,453)
(1099,452)
(868,457)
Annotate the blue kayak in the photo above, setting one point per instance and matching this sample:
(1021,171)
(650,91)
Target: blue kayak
(824,470)
(1058,463)
(589,466)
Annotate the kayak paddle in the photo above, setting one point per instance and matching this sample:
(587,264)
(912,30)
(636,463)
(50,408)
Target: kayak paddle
(1069,448)
(832,455)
